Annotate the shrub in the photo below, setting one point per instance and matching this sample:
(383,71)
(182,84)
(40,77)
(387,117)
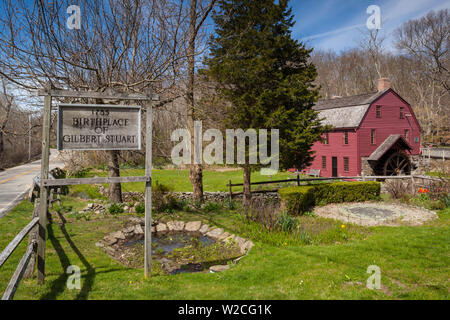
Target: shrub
(397,188)
(263,212)
(163,199)
(140,208)
(298,200)
(115,208)
(287,222)
(211,206)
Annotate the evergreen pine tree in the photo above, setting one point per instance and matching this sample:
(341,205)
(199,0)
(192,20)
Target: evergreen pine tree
(266,76)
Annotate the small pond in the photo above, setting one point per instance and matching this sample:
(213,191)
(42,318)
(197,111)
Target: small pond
(165,243)
(177,252)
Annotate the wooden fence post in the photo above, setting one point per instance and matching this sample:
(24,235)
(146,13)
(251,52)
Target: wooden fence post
(32,239)
(298,179)
(231,191)
(148,189)
(44,190)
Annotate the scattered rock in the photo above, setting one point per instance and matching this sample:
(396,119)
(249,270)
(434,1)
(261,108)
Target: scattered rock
(230,238)
(193,226)
(141,221)
(118,235)
(138,229)
(161,227)
(175,225)
(110,240)
(240,241)
(129,229)
(204,228)
(95,208)
(219,268)
(246,247)
(215,233)
(99,244)
(223,236)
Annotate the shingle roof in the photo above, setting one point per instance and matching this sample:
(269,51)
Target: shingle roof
(344,117)
(357,100)
(386,145)
(346,112)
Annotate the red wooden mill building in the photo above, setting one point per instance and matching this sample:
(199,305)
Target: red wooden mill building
(374,133)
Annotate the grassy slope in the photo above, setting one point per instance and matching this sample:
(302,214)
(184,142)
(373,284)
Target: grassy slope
(414,264)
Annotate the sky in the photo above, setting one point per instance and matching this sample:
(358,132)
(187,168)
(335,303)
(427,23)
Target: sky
(337,25)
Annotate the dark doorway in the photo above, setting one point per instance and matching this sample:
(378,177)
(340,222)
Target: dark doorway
(334,166)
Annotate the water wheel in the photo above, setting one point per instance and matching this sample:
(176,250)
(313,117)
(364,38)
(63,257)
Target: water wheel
(397,164)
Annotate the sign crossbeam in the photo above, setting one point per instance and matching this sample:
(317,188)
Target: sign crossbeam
(97,180)
(58,93)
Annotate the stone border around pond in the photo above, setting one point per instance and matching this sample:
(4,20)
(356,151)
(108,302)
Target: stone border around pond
(110,241)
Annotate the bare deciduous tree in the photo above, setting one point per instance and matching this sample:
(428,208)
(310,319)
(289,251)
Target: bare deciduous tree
(197,16)
(125,45)
(428,40)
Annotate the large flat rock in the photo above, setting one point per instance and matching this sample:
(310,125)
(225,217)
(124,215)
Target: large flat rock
(193,226)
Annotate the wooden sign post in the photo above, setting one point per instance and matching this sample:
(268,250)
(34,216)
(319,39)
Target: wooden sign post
(95,127)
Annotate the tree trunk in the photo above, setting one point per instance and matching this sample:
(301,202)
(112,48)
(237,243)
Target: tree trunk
(196,171)
(115,190)
(247,190)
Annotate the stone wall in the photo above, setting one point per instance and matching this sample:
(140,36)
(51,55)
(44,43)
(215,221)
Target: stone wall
(224,196)
(366,168)
(187,196)
(420,165)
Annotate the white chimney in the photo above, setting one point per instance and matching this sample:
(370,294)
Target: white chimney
(383,83)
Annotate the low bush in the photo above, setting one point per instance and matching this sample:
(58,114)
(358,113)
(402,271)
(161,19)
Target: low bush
(397,188)
(212,206)
(287,222)
(263,212)
(115,208)
(163,199)
(140,208)
(298,200)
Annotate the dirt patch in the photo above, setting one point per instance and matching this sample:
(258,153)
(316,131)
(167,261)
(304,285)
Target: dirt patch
(376,214)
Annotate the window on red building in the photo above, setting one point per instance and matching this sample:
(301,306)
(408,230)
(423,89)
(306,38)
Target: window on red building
(345,137)
(326,139)
(372,136)
(402,110)
(378,108)
(407,135)
(346,165)
(324,162)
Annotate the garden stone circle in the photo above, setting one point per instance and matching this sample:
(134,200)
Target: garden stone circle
(111,242)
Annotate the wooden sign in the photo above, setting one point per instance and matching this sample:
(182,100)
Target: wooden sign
(99,127)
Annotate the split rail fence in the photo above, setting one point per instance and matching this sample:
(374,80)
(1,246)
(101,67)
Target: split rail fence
(298,181)
(38,225)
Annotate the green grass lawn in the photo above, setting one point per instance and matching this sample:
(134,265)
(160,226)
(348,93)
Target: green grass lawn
(179,180)
(414,261)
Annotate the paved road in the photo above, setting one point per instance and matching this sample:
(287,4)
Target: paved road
(16,182)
